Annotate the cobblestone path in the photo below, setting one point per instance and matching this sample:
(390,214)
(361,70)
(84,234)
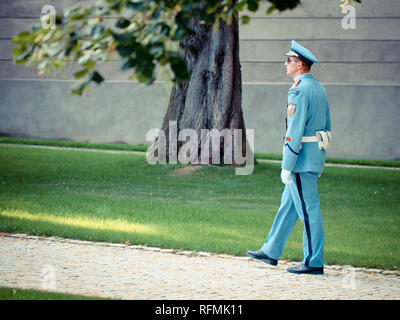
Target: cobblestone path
(138,272)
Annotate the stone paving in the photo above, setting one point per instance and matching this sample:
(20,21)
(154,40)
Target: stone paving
(139,272)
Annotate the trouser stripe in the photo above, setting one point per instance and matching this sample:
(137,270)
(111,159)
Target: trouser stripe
(306,220)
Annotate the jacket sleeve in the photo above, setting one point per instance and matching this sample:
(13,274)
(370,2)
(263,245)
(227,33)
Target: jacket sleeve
(296,121)
(328,120)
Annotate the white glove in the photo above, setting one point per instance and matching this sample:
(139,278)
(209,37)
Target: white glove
(286,176)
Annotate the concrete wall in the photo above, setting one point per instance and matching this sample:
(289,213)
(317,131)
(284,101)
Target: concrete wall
(359,69)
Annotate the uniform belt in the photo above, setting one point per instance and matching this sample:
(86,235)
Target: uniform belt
(309,139)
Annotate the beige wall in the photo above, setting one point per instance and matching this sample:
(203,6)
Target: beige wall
(359,69)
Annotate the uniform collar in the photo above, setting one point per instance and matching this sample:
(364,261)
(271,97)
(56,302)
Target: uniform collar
(304,76)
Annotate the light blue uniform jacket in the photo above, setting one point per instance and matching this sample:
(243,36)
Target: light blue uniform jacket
(307,113)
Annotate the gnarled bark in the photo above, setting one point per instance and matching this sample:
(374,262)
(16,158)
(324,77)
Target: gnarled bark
(212,98)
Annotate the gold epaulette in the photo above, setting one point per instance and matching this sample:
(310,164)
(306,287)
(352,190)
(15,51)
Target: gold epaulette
(296,83)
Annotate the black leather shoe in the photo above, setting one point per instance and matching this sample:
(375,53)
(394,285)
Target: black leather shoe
(302,269)
(259,255)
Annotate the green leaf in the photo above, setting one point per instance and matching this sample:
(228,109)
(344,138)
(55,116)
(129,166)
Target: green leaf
(127,50)
(122,23)
(240,5)
(209,19)
(146,72)
(182,19)
(252,5)
(122,37)
(96,31)
(165,29)
(156,14)
(68,50)
(180,33)
(128,64)
(18,50)
(245,19)
(284,5)
(156,48)
(271,9)
(23,38)
(75,35)
(89,64)
(80,16)
(78,89)
(22,58)
(179,68)
(136,5)
(97,77)
(80,74)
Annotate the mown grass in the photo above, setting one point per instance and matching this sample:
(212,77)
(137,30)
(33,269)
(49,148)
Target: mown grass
(74,144)
(121,198)
(31,294)
(143,148)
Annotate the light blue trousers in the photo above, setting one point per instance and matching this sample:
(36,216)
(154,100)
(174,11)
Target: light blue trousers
(300,199)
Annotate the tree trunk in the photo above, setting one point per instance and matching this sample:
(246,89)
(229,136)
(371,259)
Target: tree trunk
(212,98)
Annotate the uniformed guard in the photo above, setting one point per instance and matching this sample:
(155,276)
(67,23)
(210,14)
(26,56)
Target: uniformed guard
(306,140)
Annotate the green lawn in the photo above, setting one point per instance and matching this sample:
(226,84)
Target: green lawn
(120,198)
(143,148)
(30,294)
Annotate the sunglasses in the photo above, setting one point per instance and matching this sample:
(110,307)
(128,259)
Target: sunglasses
(288,60)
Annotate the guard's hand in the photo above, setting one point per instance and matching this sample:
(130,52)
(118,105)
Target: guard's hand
(286,176)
